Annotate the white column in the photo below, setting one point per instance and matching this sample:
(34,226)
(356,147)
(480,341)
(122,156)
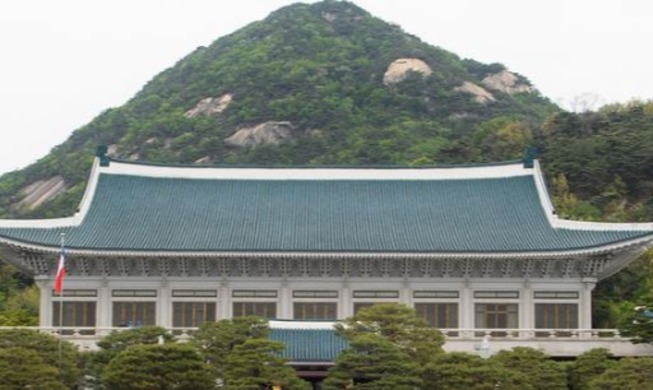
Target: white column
(466,307)
(104,309)
(224,301)
(527,309)
(586,303)
(164,308)
(45,302)
(285,302)
(404,295)
(345,308)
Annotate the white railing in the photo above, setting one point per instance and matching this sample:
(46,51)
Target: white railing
(555,342)
(453,333)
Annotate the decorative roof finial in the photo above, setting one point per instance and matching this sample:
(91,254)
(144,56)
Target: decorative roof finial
(529,157)
(101,153)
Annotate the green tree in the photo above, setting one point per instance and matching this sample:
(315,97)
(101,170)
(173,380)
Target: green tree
(21,308)
(588,366)
(22,368)
(158,367)
(638,324)
(627,374)
(457,370)
(255,365)
(61,355)
(542,372)
(215,340)
(373,362)
(399,325)
(117,341)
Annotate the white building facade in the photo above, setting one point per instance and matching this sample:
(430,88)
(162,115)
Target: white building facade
(470,248)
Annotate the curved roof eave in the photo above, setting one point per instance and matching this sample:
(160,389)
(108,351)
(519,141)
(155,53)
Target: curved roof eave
(644,240)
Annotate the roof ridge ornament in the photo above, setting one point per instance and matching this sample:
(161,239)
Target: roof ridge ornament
(101,153)
(529,157)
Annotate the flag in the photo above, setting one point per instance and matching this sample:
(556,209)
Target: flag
(58,279)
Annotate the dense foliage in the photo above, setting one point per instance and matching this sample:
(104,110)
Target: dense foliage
(375,359)
(388,345)
(158,367)
(54,357)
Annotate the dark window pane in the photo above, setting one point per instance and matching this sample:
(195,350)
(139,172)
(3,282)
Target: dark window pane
(134,313)
(74,314)
(192,314)
(259,309)
(438,315)
(315,311)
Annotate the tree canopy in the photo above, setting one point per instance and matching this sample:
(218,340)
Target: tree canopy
(158,367)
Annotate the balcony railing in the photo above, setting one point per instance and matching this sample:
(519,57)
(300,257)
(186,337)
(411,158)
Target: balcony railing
(555,342)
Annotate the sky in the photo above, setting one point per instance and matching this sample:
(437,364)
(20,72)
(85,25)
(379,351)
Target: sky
(64,62)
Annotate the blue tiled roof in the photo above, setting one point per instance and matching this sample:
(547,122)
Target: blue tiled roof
(309,345)
(171,214)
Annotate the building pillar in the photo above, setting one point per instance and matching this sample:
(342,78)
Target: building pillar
(104,309)
(345,307)
(466,308)
(285,302)
(45,302)
(585,308)
(405,296)
(527,309)
(164,308)
(224,301)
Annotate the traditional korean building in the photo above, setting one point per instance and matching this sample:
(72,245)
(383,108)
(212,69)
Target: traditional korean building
(469,247)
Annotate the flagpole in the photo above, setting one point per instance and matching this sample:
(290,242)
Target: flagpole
(61,295)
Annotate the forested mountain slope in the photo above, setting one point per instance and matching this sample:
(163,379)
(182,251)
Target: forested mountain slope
(326,83)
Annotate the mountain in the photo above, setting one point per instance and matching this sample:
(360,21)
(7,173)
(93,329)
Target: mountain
(325,83)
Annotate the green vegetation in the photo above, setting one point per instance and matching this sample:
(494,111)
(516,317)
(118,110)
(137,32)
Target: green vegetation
(381,355)
(216,340)
(158,367)
(388,343)
(40,352)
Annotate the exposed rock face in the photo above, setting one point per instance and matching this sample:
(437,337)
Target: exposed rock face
(399,68)
(112,150)
(264,133)
(329,17)
(40,192)
(480,95)
(506,82)
(203,161)
(211,106)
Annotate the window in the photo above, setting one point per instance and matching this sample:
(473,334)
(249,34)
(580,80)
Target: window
(133,293)
(496,294)
(556,316)
(315,294)
(436,294)
(438,315)
(376,294)
(134,313)
(259,309)
(555,294)
(497,315)
(192,314)
(194,293)
(254,293)
(76,293)
(80,314)
(362,305)
(315,311)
